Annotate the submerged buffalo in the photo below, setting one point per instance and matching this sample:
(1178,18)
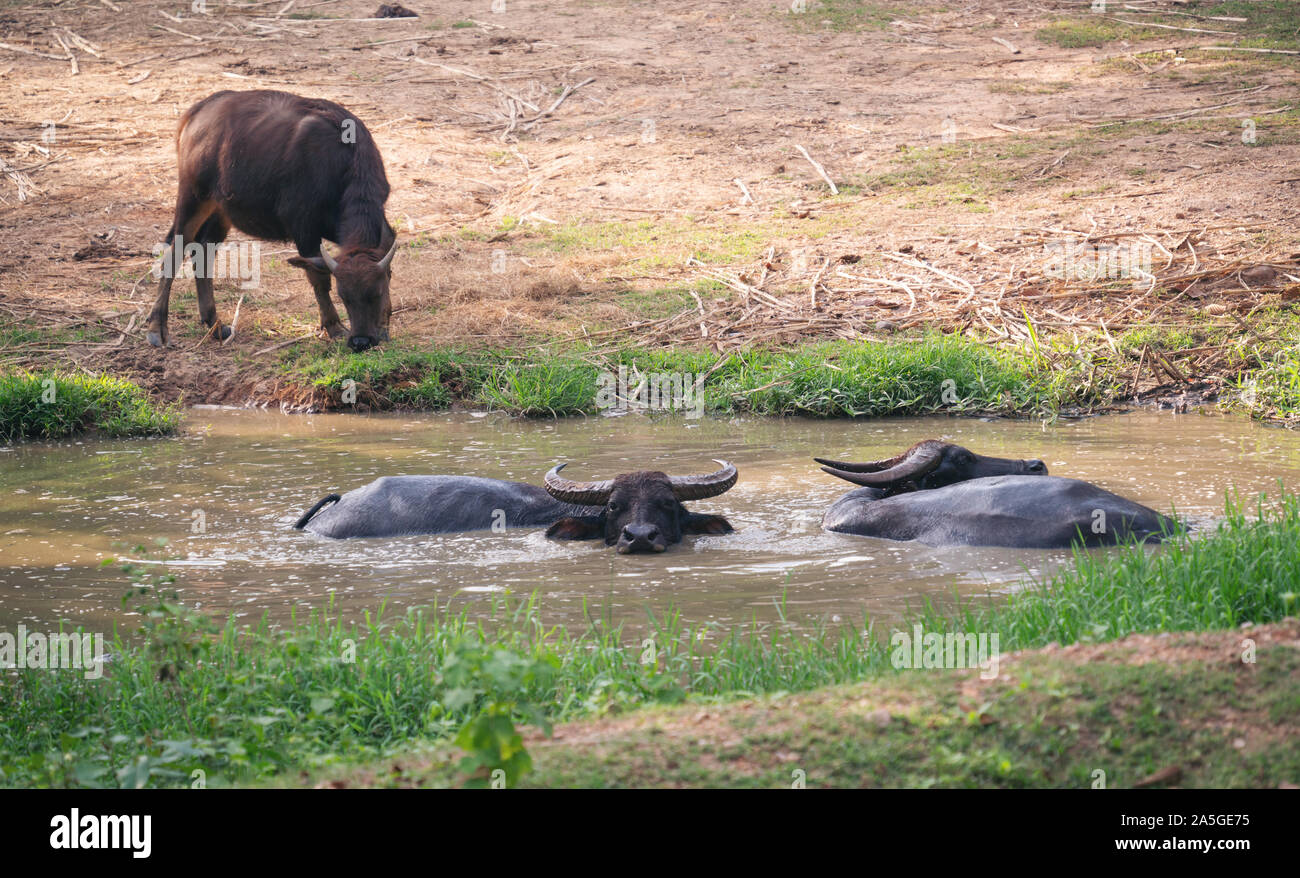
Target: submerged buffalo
(944,495)
(634,512)
(282,168)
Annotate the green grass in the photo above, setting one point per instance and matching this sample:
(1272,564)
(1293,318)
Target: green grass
(662,242)
(1264,358)
(1055,724)
(925,374)
(243,704)
(1035,87)
(846,379)
(54,405)
(1092,32)
(667,301)
(249,703)
(1275,388)
(14,335)
(1246,570)
(1270,24)
(848,15)
(1160,338)
(967,174)
(1261,364)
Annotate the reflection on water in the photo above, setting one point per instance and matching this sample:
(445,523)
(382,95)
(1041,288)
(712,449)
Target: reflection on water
(246,475)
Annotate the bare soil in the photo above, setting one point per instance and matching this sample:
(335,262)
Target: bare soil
(671,169)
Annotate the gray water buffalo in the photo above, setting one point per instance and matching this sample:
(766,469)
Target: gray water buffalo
(634,512)
(941,494)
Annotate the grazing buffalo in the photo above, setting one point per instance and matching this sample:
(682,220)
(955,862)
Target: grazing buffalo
(635,512)
(944,495)
(283,168)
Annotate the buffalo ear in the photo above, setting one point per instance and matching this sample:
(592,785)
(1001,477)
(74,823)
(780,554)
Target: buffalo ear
(585,527)
(707,524)
(309,262)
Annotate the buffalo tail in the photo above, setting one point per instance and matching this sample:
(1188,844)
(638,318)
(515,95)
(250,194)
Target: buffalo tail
(307,516)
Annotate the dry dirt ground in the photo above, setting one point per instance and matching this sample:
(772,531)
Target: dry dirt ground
(667,198)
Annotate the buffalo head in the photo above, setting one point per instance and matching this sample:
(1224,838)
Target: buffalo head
(642,511)
(363,275)
(929,464)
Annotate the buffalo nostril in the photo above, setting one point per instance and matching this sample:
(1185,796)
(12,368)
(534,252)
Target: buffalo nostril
(359,343)
(640,533)
(1037,467)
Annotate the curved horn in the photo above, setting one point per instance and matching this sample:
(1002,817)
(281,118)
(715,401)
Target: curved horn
(330,262)
(874,466)
(701,487)
(581,493)
(913,465)
(388,257)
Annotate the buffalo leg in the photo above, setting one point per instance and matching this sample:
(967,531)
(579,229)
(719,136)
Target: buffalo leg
(212,232)
(191,214)
(320,285)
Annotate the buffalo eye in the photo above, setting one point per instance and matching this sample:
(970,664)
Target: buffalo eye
(613,506)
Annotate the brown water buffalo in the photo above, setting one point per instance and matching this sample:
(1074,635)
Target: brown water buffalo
(283,168)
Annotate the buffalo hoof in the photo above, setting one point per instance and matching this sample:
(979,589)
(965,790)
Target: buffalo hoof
(335,330)
(221,333)
(155,339)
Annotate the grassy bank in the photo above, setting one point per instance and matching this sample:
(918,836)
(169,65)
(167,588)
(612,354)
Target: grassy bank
(1256,23)
(1258,372)
(251,704)
(1147,711)
(921,375)
(54,405)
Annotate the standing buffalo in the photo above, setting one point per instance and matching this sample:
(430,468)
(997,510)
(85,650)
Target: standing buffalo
(634,512)
(283,168)
(944,495)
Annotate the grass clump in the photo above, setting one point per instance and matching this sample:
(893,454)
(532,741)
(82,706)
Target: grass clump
(553,387)
(932,374)
(1091,32)
(924,374)
(848,15)
(1270,24)
(55,405)
(650,244)
(1275,388)
(391,376)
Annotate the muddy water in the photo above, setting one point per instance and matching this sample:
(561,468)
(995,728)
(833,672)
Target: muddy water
(242,477)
